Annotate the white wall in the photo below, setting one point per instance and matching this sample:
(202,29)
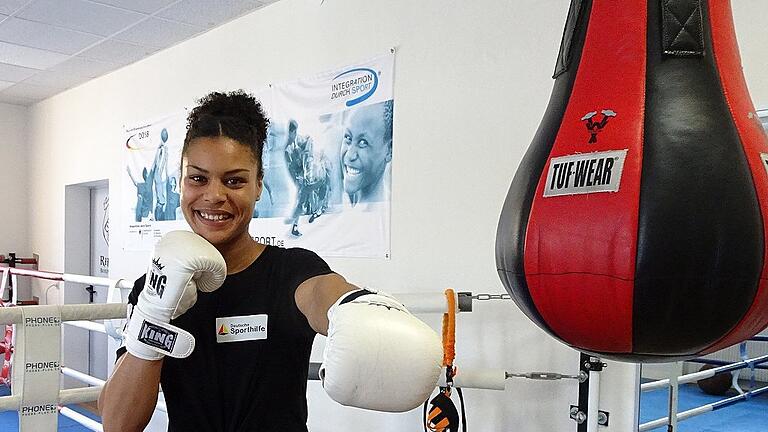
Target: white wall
(472,82)
(14,179)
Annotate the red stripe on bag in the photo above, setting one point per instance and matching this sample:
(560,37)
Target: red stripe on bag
(580,249)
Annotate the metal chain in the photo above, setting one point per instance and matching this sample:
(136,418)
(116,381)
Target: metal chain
(491,297)
(547,376)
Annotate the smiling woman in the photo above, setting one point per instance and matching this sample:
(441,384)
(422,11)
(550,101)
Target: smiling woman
(222,173)
(253,329)
(221,184)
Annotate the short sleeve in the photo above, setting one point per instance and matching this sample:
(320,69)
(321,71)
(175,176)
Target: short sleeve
(303,264)
(300,265)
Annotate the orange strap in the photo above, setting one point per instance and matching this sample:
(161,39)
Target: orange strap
(449,329)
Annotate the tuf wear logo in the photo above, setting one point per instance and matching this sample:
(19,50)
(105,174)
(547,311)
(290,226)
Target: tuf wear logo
(358,83)
(594,124)
(156,280)
(156,336)
(49,366)
(585,173)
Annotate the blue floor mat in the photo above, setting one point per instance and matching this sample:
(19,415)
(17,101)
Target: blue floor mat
(747,416)
(9,420)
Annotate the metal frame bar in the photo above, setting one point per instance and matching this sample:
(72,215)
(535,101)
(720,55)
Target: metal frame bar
(684,379)
(702,409)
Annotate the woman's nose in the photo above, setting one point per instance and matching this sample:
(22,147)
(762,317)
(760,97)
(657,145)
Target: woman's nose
(215,192)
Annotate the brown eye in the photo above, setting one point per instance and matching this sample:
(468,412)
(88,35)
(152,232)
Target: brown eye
(235,181)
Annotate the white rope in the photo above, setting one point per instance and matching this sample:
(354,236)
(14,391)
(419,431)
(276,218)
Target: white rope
(87,325)
(83,420)
(68,277)
(78,315)
(69,312)
(66,397)
(707,373)
(88,379)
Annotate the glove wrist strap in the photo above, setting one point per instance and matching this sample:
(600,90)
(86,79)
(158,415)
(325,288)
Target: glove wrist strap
(152,339)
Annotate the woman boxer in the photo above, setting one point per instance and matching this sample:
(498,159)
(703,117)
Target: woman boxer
(226,324)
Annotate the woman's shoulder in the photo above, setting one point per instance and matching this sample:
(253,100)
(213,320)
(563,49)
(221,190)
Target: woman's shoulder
(298,253)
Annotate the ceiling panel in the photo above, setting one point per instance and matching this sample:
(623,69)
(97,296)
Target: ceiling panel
(209,13)
(81,15)
(15,73)
(47,46)
(158,33)
(144,6)
(5,84)
(83,67)
(43,36)
(118,52)
(10,6)
(56,79)
(31,91)
(15,100)
(29,57)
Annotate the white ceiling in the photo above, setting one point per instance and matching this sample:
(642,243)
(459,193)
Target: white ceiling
(47,46)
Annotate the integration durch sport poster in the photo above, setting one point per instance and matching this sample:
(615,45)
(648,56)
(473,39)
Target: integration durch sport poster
(327,166)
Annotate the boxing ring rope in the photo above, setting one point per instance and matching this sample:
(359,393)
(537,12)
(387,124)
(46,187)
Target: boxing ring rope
(83,420)
(703,409)
(69,312)
(15,315)
(67,277)
(82,315)
(685,379)
(88,325)
(675,416)
(75,315)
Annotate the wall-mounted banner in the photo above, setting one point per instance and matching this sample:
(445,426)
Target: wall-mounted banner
(327,162)
(150,205)
(327,166)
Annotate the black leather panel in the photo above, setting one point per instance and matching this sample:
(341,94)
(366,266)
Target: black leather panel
(700,246)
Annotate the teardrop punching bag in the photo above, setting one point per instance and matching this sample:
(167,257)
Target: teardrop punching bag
(635,225)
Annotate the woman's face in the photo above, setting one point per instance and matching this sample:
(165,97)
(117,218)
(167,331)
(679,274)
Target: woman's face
(219,189)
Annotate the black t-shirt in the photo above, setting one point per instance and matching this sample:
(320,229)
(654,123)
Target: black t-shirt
(256,383)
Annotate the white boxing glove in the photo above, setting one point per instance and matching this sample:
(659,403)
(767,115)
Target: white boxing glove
(182,263)
(378,356)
